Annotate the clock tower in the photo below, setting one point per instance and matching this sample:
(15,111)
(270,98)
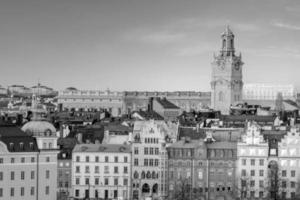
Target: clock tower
(227,79)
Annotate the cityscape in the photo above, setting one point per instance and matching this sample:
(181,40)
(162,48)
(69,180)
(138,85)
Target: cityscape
(238,139)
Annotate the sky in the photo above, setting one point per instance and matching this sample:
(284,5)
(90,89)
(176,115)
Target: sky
(164,45)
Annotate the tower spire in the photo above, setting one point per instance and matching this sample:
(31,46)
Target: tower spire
(227,42)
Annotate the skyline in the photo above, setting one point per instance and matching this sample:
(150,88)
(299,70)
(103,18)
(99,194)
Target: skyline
(142,45)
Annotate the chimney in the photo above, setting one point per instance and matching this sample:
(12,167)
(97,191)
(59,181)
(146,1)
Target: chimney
(150,104)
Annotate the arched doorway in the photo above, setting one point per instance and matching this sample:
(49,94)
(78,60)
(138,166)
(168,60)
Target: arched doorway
(146,188)
(155,188)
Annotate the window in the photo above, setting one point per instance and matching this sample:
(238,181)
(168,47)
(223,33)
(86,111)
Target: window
(87,181)
(22,191)
(87,159)
(252,183)
(293,195)
(151,151)
(252,172)
(12,176)
(1,192)
(1,176)
(146,150)
(293,173)
(136,162)
(252,194)
(77,169)
(125,159)
(156,162)
(116,170)
(32,191)
(106,159)
(77,181)
(116,181)
(252,162)
(115,193)
(47,190)
(244,161)
(96,181)
(32,159)
(261,194)
(77,193)
(156,151)
(22,175)
(106,169)
(150,162)
(47,159)
(47,174)
(293,184)
(22,160)
(125,181)
(261,183)
(145,162)
(12,192)
(116,159)
(243,172)
(96,169)
(136,150)
(283,173)
(32,175)
(106,182)
(97,159)
(261,172)
(12,160)
(87,169)
(261,162)
(283,184)
(125,170)
(1,160)
(77,159)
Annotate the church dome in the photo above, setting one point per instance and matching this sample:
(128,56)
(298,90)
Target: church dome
(39,128)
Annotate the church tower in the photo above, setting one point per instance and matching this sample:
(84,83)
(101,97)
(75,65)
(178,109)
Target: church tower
(227,79)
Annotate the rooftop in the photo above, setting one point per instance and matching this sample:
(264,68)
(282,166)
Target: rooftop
(166,104)
(105,148)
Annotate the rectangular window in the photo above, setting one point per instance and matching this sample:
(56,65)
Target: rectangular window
(293,184)
(125,159)
(136,162)
(283,173)
(252,172)
(1,160)
(252,183)
(261,184)
(116,159)
(1,192)
(252,194)
(136,150)
(125,171)
(12,160)
(106,182)
(1,176)
(145,162)
(22,160)
(47,190)
(97,169)
(47,174)
(156,151)
(47,159)
(150,162)
(22,191)
(12,192)
(12,176)
(261,194)
(106,169)
(125,181)
(22,175)
(244,162)
(87,169)
(77,193)
(32,191)
(146,150)
(156,162)
(261,162)
(96,181)
(283,184)
(151,151)
(87,159)
(77,181)
(32,159)
(116,181)
(77,159)
(32,175)
(77,169)
(261,172)
(252,162)
(97,159)
(116,170)
(243,172)
(87,181)
(293,173)
(106,159)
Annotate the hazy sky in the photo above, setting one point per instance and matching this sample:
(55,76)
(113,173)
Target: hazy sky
(144,44)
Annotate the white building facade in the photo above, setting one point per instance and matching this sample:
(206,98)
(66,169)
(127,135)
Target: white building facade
(101,171)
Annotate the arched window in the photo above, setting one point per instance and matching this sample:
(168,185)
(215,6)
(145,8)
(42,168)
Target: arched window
(148,175)
(143,175)
(136,175)
(231,43)
(221,96)
(153,175)
(145,188)
(155,188)
(224,44)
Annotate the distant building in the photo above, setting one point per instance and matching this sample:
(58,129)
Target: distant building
(101,171)
(19,90)
(42,90)
(64,174)
(266,91)
(227,77)
(73,99)
(166,109)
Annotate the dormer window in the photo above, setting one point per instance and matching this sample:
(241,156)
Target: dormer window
(31,145)
(11,146)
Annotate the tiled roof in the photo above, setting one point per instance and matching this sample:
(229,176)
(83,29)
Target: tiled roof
(147,115)
(166,104)
(248,117)
(12,136)
(222,145)
(187,144)
(109,148)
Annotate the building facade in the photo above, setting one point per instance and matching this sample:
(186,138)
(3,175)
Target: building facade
(227,79)
(101,171)
(149,159)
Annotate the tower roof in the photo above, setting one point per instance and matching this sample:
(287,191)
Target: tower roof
(227,31)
